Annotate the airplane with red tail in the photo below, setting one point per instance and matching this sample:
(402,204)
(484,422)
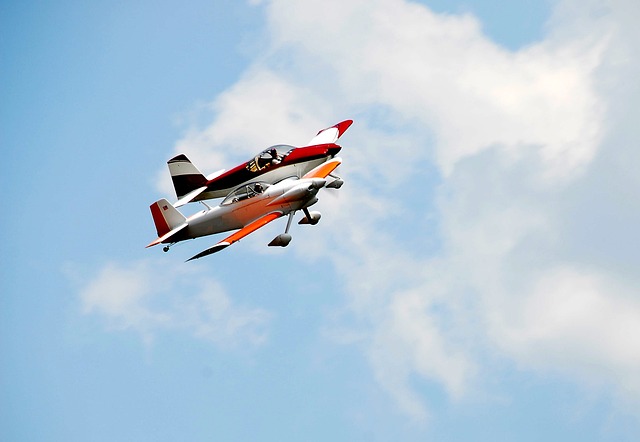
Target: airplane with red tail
(271,165)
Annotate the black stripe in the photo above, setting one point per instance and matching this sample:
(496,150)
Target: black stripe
(186,183)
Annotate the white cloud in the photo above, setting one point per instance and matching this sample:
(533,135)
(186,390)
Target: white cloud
(444,72)
(261,109)
(519,140)
(122,295)
(151,296)
(410,340)
(579,322)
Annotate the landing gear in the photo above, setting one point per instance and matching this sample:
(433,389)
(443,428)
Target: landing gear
(166,248)
(336,183)
(310,217)
(283,239)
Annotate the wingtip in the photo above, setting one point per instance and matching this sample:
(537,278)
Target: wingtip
(343,126)
(211,250)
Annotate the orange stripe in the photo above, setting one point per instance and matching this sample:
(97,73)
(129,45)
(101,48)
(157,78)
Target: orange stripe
(323,170)
(161,224)
(252,227)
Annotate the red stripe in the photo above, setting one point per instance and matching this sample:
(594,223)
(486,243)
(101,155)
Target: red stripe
(161,224)
(343,126)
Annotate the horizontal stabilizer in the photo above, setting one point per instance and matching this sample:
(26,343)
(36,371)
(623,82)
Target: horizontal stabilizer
(189,196)
(216,174)
(167,235)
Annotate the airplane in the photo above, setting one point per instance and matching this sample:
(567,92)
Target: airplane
(271,165)
(248,208)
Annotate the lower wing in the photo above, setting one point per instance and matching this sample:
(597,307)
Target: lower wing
(249,228)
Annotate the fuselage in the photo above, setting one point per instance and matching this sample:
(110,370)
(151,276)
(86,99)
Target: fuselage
(292,163)
(245,205)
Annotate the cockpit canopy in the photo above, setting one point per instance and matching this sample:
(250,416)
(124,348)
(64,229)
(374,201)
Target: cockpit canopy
(245,191)
(269,157)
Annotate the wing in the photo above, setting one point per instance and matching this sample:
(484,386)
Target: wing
(237,236)
(330,134)
(324,169)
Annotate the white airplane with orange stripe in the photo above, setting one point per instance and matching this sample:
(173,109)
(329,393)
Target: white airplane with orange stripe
(248,207)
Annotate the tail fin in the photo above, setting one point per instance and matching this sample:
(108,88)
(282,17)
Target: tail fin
(185,176)
(166,217)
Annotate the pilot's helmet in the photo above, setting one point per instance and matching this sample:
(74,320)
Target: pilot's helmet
(257,187)
(273,153)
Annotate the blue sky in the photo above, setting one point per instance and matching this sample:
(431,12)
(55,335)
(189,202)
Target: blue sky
(475,278)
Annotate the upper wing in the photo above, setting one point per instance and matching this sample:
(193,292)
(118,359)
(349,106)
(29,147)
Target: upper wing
(249,228)
(324,169)
(330,134)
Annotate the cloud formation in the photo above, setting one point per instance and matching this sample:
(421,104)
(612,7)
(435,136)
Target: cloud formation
(151,296)
(502,156)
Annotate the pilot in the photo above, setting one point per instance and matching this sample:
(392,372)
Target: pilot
(257,188)
(274,156)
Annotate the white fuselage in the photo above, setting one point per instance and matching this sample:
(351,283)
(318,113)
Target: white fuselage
(284,197)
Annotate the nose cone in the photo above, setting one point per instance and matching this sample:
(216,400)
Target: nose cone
(299,192)
(317,184)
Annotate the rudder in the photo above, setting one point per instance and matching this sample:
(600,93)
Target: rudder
(166,217)
(185,176)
